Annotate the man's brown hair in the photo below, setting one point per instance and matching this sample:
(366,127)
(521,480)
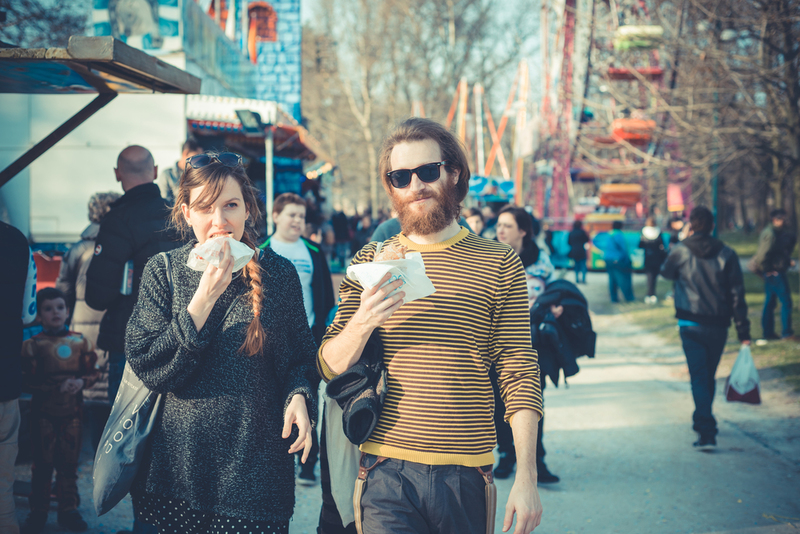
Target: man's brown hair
(417,129)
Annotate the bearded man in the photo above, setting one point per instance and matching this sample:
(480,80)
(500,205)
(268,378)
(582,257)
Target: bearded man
(427,466)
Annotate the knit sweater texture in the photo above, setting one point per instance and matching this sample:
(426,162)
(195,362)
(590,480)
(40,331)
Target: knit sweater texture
(218,442)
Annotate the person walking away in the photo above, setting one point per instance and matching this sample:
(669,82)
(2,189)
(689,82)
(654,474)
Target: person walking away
(233,357)
(772,260)
(437,349)
(72,282)
(289,215)
(168,180)
(515,228)
(17,308)
(577,241)
(57,364)
(654,255)
(618,264)
(134,229)
(709,290)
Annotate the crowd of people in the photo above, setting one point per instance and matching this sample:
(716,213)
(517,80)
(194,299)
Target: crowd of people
(241,351)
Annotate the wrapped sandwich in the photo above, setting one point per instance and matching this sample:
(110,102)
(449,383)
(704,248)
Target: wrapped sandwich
(401,264)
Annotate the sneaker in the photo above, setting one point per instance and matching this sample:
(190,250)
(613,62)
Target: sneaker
(72,521)
(705,443)
(545,476)
(35,523)
(306,477)
(506,465)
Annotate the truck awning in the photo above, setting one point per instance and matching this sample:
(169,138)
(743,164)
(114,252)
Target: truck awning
(101,65)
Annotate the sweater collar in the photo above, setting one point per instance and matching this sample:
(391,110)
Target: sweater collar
(435,246)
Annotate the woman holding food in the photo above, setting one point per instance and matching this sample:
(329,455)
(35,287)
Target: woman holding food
(233,356)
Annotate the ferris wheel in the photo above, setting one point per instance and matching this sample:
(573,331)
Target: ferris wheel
(601,125)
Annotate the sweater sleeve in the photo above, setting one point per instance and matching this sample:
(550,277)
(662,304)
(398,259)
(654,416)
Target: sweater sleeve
(295,368)
(349,301)
(516,361)
(162,349)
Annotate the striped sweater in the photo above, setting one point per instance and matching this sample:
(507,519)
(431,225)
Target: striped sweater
(438,351)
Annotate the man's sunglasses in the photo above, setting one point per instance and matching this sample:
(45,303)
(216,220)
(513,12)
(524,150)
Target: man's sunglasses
(229,159)
(428,173)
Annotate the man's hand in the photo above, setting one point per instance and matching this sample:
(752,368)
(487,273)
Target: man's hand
(379,303)
(524,497)
(523,501)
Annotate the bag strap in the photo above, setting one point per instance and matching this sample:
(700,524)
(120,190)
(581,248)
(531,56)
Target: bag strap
(169,272)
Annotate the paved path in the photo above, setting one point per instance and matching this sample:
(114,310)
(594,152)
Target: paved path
(620,439)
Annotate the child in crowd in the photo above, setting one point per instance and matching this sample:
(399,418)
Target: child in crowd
(56,366)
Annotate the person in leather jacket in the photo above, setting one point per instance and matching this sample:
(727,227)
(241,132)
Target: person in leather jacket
(709,291)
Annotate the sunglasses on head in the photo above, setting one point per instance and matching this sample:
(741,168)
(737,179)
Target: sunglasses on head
(229,159)
(428,173)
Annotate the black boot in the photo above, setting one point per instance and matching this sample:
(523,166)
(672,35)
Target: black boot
(35,523)
(506,465)
(545,476)
(72,521)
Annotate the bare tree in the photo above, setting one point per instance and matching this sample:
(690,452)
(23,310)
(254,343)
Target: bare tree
(392,53)
(42,23)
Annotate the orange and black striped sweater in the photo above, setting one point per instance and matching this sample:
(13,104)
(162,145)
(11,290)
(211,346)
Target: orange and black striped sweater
(438,351)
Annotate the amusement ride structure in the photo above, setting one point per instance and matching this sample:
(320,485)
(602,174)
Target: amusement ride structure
(597,128)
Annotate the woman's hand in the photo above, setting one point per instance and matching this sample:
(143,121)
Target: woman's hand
(214,282)
(297,414)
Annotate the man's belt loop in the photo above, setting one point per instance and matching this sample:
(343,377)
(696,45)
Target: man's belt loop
(361,481)
(491,498)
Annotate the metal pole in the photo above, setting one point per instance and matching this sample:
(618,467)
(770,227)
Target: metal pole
(57,135)
(479,154)
(245,29)
(217,11)
(270,178)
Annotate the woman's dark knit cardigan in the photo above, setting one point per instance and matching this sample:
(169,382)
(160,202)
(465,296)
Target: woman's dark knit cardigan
(218,443)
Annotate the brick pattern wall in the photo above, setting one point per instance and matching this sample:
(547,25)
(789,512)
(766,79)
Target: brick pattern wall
(279,69)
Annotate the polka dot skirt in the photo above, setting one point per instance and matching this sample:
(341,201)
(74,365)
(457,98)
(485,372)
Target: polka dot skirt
(173,516)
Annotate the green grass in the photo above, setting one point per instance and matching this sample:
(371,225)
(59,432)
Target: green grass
(781,358)
(745,245)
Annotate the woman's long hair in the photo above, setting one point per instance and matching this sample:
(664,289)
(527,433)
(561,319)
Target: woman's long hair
(213,177)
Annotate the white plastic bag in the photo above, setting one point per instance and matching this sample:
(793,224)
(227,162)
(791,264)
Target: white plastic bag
(210,252)
(411,270)
(743,384)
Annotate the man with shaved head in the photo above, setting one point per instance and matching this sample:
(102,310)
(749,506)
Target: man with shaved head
(136,227)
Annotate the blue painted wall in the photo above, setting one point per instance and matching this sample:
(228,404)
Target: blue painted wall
(279,69)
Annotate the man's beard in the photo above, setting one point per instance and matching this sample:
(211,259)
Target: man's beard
(413,222)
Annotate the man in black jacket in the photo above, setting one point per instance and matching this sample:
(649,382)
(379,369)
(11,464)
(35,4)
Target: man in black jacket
(709,290)
(772,260)
(136,227)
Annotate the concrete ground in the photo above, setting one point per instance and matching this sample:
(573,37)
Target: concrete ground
(620,438)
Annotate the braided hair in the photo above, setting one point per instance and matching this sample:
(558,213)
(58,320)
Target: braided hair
(213,178)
